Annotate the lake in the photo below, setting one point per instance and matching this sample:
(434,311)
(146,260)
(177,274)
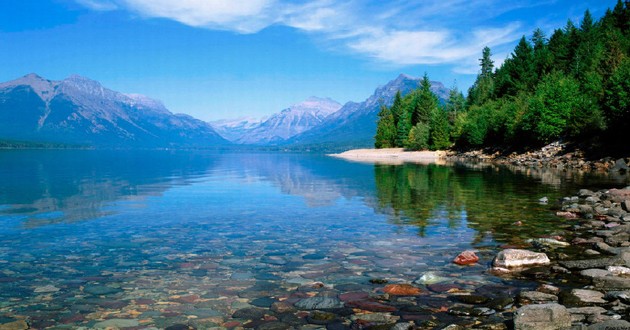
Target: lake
(159,239)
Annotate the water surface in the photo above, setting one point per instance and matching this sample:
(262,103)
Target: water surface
(171,237)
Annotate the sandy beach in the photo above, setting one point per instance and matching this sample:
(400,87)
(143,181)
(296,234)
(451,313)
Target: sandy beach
(392,156)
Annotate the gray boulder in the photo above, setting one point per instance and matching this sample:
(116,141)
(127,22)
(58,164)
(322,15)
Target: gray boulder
(517,258)
(542,317)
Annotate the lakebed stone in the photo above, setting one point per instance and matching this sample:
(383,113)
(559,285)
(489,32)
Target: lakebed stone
(466,258)
(518,258)
(542,317)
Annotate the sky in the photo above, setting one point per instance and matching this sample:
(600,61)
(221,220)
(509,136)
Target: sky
(217,59)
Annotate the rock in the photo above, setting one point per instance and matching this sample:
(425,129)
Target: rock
(542,317)
(594,272)
(610,325)
(588,263)
(117,323)
(585,193)
(611,282)
(46,289)
(467,257)
(402,290)
(580,314)
(321,318)
(548,242)
(547,288)
(567,214)
(15,325)
(515,258)
(376,317)
(430,278)
(619,270)
(581,297)
(371,306)
(620,166)
(249,313)
(402,326)
(471,299)
(319,303)
(535,297)
(625,205)
(282,307)
(543,200)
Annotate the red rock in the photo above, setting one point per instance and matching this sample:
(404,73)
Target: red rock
(568,215)
(143,301)
(441,287)
(467,257)
(353,296)
(371,306)
(402,290)
(231,324)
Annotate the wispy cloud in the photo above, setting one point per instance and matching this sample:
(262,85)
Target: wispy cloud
(397,32)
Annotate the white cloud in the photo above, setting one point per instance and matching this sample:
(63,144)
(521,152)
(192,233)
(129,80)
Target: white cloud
(399,32)
(100,5)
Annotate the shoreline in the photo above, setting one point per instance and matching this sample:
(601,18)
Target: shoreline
(392,156)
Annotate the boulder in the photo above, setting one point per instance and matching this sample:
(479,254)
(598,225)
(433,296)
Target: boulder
(611,282)
(610,325)
(542,317)
(319,303)
(535,297)
(515,258)
(582,297)
(466,258)
(402,290)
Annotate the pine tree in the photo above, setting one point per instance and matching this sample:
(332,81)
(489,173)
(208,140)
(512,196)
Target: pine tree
(483,88)
(424,102)
(385,129)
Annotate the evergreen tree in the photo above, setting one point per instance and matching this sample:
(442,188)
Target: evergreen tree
(439,137)
(402,129)
(483,88)
(424,102)
(385,129)
(419,137)
(397,108)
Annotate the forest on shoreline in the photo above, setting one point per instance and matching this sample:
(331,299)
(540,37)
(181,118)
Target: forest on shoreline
(572,86)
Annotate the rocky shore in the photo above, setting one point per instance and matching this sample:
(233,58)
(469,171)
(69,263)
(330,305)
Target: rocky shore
(556,155)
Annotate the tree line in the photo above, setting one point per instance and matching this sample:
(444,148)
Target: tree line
(574,85)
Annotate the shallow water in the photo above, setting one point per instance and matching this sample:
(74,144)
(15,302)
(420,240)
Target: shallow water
(163,238)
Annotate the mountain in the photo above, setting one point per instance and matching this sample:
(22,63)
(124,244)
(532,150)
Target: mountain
(354,125)
(281,126)
(80,111)
(234,129)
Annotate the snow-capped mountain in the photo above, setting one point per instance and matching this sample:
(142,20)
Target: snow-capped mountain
(281,126)
(80,111)
(355,123)
(234,129)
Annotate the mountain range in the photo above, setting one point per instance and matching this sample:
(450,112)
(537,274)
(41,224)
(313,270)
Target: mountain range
(323,123)
(81,112)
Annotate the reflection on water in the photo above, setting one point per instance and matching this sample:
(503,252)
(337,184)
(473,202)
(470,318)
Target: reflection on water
(161,238)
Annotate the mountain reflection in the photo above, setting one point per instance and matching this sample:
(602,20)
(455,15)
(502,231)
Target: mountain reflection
(53,186)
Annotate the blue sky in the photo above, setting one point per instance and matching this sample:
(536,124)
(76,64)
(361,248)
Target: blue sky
(218,59)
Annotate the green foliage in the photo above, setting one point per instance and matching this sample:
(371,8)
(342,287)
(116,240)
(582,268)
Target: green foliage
(617,97)
(418,137)
(483,88)
(573,85)
(439,133)
(552,106)
(385,129)
(424,102)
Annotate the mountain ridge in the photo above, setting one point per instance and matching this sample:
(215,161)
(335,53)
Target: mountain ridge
(79,110)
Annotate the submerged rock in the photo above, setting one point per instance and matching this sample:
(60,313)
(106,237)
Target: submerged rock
(542,317)
(517,258)
(467,257)
(319,303)
(402,290)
